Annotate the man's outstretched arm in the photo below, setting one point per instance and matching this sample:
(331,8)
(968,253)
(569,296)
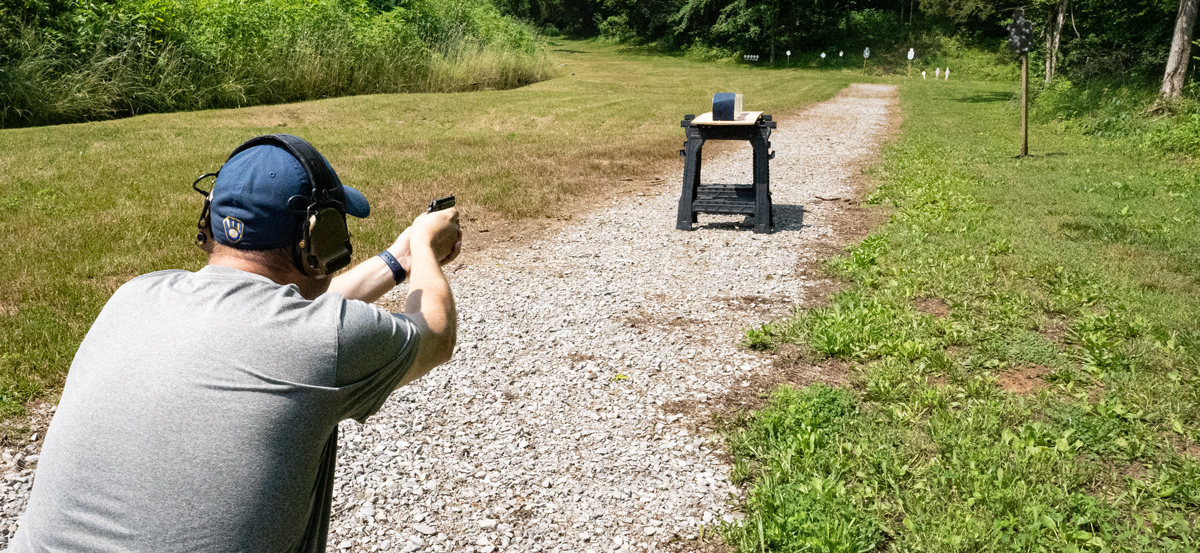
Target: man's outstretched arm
(434,239)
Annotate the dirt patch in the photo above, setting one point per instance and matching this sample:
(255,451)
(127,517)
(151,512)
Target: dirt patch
(1185,447)
(759,307)
(1055,330)
(710,543)
(1024,380)
(933,306)
(577,357)
(753,391)
(1135,471)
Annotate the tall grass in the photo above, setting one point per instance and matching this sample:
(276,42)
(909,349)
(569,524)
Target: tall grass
(465,64)
(129,57)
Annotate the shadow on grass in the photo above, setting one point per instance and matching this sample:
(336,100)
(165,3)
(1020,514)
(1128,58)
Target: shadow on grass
(985,98)
(1048,154)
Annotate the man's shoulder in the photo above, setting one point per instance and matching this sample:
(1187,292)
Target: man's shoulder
(194,281)
(150,280)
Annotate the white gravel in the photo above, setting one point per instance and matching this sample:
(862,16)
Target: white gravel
(545,432)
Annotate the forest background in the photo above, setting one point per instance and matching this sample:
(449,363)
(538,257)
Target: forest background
(1097,65)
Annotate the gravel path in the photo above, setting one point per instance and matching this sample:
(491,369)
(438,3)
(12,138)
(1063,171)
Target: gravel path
(551,430)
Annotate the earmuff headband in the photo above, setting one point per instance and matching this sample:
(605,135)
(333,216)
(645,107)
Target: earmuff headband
(310,160)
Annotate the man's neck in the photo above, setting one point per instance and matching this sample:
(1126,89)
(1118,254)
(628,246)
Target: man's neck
(309,287)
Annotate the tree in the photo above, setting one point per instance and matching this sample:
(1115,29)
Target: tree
(1054,26)
(1181,50)
(958,10)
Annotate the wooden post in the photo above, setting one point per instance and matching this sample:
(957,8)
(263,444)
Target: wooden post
(1024,104)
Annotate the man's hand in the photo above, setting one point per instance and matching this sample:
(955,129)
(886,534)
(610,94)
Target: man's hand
(439,230)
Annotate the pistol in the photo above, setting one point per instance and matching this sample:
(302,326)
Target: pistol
(441,203)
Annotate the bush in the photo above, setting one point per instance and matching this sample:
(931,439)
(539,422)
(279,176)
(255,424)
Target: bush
(77,62)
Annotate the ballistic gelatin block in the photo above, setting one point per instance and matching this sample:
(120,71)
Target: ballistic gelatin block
(727,106)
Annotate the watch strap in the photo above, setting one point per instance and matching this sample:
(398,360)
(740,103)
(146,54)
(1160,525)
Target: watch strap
(398,272)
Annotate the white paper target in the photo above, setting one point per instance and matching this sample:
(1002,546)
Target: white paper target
(911,53)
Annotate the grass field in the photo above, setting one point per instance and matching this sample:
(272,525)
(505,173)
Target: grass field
(1025,350)
(83,208)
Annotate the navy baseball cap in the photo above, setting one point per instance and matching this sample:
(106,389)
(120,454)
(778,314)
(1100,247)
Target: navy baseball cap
(252,193)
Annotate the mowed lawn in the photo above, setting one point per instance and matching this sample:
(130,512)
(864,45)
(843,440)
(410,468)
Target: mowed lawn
(84,208)
(1023,345)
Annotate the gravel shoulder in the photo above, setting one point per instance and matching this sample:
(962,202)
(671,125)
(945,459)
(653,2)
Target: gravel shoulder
(574,414)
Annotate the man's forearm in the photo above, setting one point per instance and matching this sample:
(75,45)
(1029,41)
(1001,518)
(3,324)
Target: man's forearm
(369,280)
(430,300)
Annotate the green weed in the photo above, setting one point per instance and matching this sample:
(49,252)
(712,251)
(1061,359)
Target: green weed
(1073,272)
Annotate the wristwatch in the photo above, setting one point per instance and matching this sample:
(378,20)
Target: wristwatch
(398,272)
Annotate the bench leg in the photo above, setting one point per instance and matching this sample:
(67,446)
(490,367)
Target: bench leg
(691,181)
(762,185)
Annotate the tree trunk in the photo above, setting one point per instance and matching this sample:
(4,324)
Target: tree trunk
(1058,17)
(1181,50)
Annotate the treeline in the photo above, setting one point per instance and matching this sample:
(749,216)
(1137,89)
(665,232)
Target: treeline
(1085,40)
(1099,65)
(68,60)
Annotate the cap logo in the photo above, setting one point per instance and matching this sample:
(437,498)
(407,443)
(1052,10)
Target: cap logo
(233,229)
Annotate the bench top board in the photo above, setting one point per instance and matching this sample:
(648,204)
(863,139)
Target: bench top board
(745,118)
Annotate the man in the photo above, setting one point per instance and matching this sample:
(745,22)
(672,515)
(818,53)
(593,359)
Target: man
(200,411)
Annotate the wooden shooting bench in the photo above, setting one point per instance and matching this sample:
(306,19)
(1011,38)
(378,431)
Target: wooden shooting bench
(753,199)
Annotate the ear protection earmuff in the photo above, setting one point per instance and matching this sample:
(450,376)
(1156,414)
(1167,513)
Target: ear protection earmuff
(204,236)
(323,245)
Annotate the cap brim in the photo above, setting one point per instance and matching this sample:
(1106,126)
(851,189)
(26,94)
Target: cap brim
(356,204)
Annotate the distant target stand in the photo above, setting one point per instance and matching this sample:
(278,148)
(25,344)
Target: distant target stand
(1020,41)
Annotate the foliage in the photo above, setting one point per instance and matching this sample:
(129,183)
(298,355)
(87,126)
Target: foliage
(1124,42)
(1073,273)
(1131,112)
(72,61)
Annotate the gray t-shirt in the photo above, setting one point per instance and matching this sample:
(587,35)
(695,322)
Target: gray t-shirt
(199,412)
